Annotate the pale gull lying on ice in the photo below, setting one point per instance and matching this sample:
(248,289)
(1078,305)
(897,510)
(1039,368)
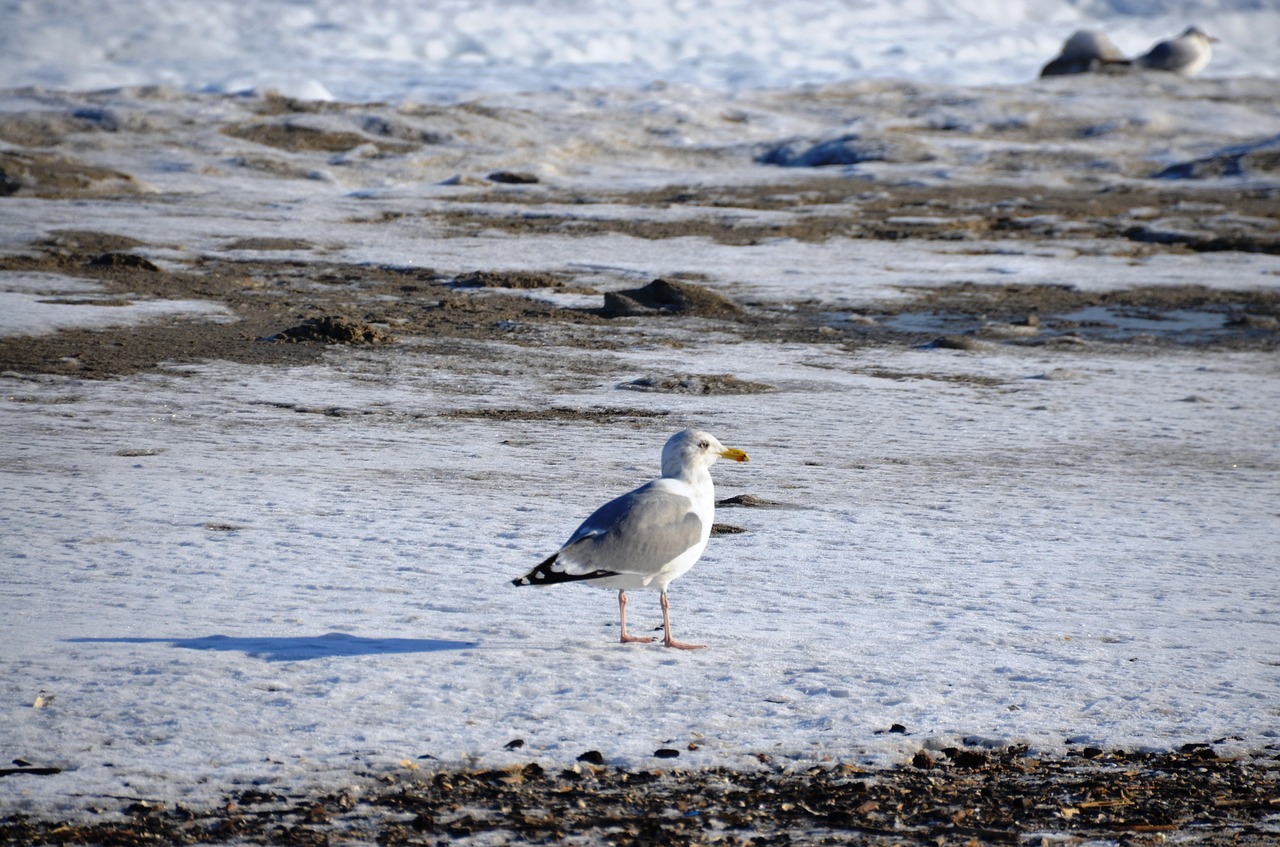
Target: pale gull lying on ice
(1086,51)
(1187,54)
(647,537)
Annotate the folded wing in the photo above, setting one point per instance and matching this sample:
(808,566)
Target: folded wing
(636,534)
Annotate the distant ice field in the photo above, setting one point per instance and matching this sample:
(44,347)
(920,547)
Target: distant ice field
(409,49)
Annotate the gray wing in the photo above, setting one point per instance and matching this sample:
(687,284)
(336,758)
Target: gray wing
(1169,54)
(636,533)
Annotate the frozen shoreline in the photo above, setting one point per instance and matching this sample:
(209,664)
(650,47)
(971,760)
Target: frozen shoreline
(395,50)
(230,563)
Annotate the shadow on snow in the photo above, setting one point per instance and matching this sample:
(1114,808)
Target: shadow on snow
(297,649)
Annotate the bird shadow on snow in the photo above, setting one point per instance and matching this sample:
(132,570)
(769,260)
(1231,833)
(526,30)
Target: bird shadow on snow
(297,649)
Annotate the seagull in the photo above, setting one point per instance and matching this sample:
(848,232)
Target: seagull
(647,537)
(1085,51)
(1187,54)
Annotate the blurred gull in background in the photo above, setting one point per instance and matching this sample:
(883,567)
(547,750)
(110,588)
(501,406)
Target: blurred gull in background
(1188,54)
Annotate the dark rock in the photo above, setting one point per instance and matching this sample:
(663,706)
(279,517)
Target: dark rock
(123,261)
(33,771)
(696,384)
(592,757)
(334,329)
(507,279)
(513,178)
(847,150)
(267,244)
(666,753)
(750,501)
(62,177)
(967,758)
(1261,158)
(664,296)
(957,342)
(1254,322)
(297,138)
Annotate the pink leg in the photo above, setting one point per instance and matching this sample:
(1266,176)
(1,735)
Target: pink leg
(666,626)
(622,613)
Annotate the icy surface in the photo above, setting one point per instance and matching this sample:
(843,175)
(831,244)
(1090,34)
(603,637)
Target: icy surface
(214,584)
(31,304)
(223,575)
(392,49)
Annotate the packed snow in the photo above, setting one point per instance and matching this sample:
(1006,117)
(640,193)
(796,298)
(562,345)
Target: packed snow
(223,575)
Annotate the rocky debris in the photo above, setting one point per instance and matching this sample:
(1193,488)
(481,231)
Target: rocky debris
(507,279)
(953,795)
(296,137)
(750,501)
(848,150)
(464,180)
(82,242)
(42,128)
(815,211)
(266,293)
(123,261)
(1260,322)
(596,414)
(268,244)
(1202,237)
(513,178)
(974,317)
(59,177)
(666,297)
(696,384)
(1260,158)
(29,769)
(334,329)
(957,342)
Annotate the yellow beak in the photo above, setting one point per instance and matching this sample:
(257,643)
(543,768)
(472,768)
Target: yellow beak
(735,454)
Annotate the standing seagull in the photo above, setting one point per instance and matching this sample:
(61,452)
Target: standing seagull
(1187,54)
(649,536)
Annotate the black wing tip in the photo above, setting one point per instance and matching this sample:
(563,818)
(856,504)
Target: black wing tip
(545,574)
(537,576)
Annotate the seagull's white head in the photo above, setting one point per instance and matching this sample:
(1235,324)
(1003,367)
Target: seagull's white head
(690,450)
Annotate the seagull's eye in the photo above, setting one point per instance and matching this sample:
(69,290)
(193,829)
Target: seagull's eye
(703,444)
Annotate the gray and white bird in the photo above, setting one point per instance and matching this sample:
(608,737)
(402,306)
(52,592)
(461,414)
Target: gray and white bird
(1186,55)
(1086,51)
(647,537)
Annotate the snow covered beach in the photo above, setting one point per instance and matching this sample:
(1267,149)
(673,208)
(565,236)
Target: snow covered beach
(281,564)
